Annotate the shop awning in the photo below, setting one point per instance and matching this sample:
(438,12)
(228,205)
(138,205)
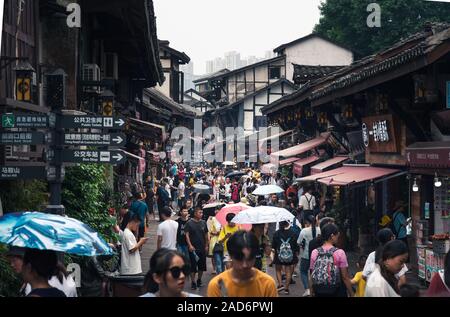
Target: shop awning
(300,164)
(350,175)
(304,147)
(319,168)
(148,124)
(289,161)
(429,154)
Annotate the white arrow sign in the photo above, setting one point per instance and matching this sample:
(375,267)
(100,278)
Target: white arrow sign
(118,140)
(118,157)
(120,122)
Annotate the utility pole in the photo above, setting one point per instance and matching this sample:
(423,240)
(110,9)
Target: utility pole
(56,100)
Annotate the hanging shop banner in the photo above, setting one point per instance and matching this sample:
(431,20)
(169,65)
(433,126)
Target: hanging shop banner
(381,134)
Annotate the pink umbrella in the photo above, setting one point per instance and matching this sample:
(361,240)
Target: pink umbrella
(235,209)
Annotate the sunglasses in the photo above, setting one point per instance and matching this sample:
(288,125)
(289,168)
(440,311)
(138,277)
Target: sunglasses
(176,271)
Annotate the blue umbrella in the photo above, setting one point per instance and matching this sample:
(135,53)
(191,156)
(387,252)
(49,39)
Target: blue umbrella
(43,231)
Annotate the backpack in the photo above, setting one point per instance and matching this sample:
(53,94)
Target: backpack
(392,226)
(326,276)
(285,254)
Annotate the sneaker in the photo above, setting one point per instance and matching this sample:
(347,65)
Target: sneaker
(193,286)
(286,292)
(280,288)
(294,275)
(199,283)
(307,293)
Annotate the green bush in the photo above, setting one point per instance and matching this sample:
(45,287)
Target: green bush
(23,195)
(9,281)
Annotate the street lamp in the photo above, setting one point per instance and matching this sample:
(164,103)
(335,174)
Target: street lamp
(415,187)
(107,100)
(24,78)
(437,181)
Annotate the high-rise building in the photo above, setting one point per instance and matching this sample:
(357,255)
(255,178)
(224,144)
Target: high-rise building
(189,76)
(210,67)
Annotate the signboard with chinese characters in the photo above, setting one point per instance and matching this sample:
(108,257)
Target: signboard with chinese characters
(10,120)
(380,134)
(433,264)
(93,122)
(22,172)
(22,138)
(88,156)
(95,139)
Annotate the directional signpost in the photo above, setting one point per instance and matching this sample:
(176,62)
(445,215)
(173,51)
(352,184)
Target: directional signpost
(95,139)
(92,122)
(22,172)
(22,138)
(88,156)
(10,121)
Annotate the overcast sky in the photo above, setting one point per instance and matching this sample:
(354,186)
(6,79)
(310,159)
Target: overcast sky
(206,29)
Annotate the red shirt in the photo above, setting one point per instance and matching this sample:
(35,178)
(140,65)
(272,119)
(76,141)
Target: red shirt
(437,287)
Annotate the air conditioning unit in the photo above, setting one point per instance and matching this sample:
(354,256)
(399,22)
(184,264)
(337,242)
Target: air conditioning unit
(110,66)
(91,72)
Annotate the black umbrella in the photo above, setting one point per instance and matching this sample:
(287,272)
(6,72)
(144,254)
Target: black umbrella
(236,174)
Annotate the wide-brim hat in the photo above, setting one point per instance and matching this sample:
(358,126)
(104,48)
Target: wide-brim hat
(385,220)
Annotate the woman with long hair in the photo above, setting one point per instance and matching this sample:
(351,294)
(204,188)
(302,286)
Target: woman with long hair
(383,281)
(167,275)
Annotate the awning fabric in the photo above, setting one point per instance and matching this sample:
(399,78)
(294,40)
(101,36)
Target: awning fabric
(350,175)
(146,123)
(288,161)
(304,147)
(316,169)
(300,164)
(429,154)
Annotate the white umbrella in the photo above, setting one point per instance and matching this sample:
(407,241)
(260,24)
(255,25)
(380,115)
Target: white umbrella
(228,163)
(267,190)
(263,214)
(213,205)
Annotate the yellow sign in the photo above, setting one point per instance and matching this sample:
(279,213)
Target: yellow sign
(24,89)
(108,108)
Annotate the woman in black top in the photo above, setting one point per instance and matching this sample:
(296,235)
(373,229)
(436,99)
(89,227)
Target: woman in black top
(38,267)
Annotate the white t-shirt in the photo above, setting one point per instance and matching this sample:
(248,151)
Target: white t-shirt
(168,230)
(377,286)
(307,235)
(130,263)
(181,188)
(68,286)
(167,188)
(307,201)
(228,190)
(370,267)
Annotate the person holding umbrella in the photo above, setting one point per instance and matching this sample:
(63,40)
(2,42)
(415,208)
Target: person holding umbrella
(225,233)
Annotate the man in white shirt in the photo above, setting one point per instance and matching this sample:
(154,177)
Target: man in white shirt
(181,189)
(307,201)
(167,231)
(130,262)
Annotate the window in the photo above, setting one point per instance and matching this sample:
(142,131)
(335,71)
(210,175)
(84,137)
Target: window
(275,73)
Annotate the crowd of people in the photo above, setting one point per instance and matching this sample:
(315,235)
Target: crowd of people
(189,233)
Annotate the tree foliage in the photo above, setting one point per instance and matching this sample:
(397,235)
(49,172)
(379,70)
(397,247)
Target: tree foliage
(23,195)
(345,22)
(84,198)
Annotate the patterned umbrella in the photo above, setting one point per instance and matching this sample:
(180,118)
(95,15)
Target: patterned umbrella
(232,208)
(44,231)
